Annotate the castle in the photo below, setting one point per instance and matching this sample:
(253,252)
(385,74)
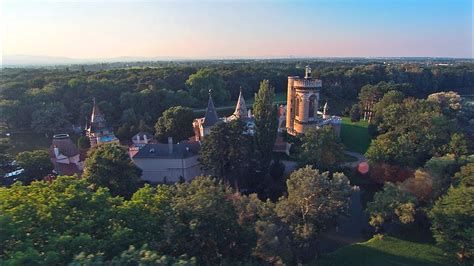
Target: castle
(300,113)
(202,126)
(303,105)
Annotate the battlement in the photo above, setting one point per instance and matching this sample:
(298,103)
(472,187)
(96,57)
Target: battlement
(307,83)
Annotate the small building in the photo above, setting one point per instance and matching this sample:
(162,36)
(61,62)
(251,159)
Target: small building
(65,156)
(97,130)
(167,163)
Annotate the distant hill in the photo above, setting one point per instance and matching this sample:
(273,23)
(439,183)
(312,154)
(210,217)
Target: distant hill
(38,60)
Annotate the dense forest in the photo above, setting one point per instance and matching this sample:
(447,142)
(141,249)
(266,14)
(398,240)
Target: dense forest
(417,185)
(51,100)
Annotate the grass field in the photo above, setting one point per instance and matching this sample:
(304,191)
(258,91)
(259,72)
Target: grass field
(355,135)
(386,251)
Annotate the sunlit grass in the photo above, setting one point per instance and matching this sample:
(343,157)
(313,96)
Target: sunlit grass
(355,135)
(386,251)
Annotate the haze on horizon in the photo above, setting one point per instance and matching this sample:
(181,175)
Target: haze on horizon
(217,29)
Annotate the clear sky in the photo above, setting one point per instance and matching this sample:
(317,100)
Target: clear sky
(210,29)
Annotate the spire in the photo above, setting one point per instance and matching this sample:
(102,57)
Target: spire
(211,117)
(325,110)
(240,108)
(97,116)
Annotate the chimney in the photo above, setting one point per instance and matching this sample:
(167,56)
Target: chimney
(170,145)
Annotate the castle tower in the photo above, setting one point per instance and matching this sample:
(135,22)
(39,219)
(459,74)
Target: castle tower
(211,117)
(302,103)
(240,108)
(97,130)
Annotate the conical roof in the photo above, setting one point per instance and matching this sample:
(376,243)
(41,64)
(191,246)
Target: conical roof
(211,117)
(240,108)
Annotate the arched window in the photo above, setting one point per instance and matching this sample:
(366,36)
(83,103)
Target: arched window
(312,103)
(297,106)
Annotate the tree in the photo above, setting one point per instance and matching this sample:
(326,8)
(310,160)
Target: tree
(226,151)
(264,230)
(389,98)
(355,113)
(132,256)
(50,118)
(36,164)
(266,124)
(321,148)
(206,222)
(458,145)
(448,101)
(49,222)
(176,122)
(83,142)
(391,204)
(110,166)
(314,202)
(419,185)
(206,79)
(415,130)
(452,222)
(465,176)
(369,95)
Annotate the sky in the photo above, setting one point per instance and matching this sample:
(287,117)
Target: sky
(219,29)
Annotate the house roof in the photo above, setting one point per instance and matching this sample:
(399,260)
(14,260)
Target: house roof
(211,117)
(65,145)
(184,149)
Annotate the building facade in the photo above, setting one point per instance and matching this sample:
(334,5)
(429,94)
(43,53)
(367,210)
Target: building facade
(167,163)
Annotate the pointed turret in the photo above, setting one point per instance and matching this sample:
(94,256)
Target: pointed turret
(211,117)
(240,108)
(325,111)
(97,116)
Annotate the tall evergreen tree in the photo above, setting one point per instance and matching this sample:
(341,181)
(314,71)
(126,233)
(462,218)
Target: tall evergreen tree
(266,124)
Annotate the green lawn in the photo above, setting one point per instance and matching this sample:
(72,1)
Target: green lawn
(386,251)
(355,135)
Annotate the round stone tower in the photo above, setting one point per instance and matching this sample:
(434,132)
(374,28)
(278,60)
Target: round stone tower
(302,103)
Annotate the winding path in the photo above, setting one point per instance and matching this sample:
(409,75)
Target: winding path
(360,158)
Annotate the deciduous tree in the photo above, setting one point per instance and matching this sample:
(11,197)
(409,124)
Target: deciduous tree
(110,166)
(321,148)
(36,164)
(176,122)
(314,202)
